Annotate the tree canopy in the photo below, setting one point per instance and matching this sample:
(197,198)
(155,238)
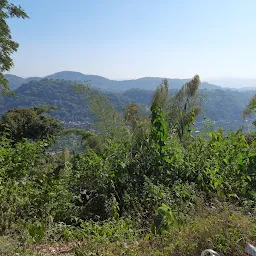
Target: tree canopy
(179,110)
(251,108)
(7,44)
(30,123)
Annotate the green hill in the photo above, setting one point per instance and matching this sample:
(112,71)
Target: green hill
(72,107)
(223,107)
(148,83)
(14,81)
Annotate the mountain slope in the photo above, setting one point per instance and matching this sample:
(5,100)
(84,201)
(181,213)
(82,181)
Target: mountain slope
(14,81)
(223,107)
(71,105)
(148,83)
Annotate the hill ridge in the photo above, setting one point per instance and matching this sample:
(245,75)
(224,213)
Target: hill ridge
(148,83)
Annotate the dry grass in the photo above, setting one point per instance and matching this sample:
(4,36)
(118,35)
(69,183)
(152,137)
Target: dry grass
(223,229)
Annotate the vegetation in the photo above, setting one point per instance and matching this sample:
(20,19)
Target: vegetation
(30,123)
(223,107)
(135,187)
(251,108)
(7,45)
(72,107)
(141,184)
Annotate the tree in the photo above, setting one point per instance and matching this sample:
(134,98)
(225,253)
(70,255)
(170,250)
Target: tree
(137,124)
(30,123)
(251,108)
(108,122)
(183,108)
(131,115)
(158,116)
(88,139)
(174,113)
(7,45)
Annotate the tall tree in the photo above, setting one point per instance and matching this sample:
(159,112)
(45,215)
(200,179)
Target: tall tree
(7,45)
(131,115)
(174,113)
(31,123)
(183,108)
(158,116)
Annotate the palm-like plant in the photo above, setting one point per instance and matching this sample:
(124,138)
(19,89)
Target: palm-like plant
(178,111)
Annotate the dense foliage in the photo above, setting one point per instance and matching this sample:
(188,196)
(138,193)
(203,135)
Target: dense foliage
(72,107)
(251,108)
(7,45)
(30,123)
(136,188)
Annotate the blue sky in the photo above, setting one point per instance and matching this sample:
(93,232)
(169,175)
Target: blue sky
(123,39)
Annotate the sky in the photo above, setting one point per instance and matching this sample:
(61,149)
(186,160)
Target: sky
(127,39)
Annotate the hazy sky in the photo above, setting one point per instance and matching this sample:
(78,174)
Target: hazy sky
(123,39)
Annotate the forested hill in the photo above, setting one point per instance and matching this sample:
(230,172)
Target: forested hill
(149,83)
(72,106)
(15,82)
(224,107)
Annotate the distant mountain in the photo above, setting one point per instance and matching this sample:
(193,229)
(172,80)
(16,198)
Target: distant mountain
(76,76)
(148,83)
(94,80)
(14,81)
(209,86)
(236,83)
(223,107)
